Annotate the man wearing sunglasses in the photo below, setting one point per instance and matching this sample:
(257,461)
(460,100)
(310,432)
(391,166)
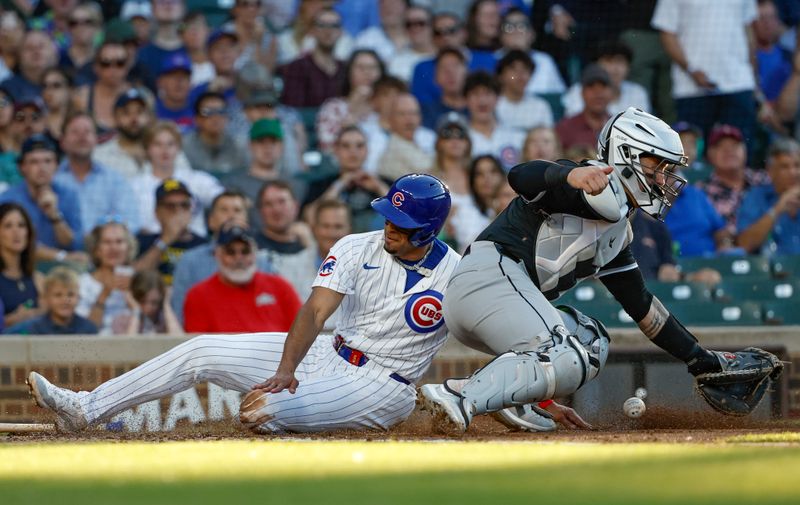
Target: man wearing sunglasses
(209,147)
(30,118)
(571,222)
(161,251)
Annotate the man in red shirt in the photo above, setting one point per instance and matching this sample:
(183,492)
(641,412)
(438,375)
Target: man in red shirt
(238,298)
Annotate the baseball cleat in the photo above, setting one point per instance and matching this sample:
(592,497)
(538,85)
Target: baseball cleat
(525,418)
(65,404)
(446,407)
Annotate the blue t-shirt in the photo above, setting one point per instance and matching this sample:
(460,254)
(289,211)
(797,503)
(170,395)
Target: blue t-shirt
(43,325)
(423,85)
(774,69)
(183,117)
(692,221)
(68,204)
(786,231)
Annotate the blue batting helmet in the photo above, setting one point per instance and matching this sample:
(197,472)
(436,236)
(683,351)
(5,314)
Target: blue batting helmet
(416,201)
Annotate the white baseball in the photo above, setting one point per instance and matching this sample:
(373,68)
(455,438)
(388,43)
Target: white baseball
(633,407)
(640,393)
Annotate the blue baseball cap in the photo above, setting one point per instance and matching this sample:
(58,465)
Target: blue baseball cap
(220,33)
(176,62)
(37,142)
(132,95)
(230,233)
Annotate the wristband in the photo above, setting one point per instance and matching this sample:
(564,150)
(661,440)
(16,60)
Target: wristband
(545,404)
(160,245)
(61,255)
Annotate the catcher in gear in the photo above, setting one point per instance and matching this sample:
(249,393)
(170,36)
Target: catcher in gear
(569,222)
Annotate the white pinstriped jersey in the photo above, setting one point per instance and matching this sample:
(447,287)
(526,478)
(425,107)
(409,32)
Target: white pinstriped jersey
(393,320)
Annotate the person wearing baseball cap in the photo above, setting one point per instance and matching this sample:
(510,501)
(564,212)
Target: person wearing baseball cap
(125,152)
(223,50)
(30,118)
(54,208)
(173,88)
(691,135)
(210,147)
(266,151)
(162,250)
(239,298)
(730,177)
(138,14)
(582,129)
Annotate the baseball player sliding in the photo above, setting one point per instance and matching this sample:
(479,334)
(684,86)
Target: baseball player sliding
(389,284)
(570,222)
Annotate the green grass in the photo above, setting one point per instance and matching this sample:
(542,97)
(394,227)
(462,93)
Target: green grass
(333,472)
(766,438)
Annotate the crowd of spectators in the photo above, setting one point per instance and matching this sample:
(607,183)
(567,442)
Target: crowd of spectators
(185,165)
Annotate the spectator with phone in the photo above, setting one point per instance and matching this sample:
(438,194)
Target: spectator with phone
(103,292)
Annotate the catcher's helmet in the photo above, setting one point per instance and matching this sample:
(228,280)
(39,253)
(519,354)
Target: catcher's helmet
(418,202)
(631,134)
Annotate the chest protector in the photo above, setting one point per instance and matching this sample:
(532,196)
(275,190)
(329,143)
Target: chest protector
(568,245)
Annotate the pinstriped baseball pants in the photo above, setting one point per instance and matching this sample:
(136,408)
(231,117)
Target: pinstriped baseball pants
(333,394)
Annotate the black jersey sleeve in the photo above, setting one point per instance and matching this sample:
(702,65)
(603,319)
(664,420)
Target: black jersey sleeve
(629,290)
(532,178)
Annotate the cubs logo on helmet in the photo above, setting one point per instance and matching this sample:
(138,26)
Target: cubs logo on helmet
(327,266)
(423,311)
(397,199)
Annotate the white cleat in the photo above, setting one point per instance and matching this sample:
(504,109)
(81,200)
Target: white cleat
(65,404)
(525,418)
(446,407)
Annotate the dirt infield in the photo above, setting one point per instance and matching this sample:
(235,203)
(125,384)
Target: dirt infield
(655,426)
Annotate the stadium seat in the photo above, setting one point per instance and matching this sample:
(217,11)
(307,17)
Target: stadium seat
(309,118)
(735,289)
(730,266)
(215,11)
(717,314)
(585,292)
(680,291)
(779,312)
(554,100)
(785,266)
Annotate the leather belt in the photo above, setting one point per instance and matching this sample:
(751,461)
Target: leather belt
(358,358)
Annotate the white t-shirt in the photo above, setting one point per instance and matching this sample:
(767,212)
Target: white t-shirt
(713,37)
(546,78)
(505,144)
(375,38)
(466,220)
(400,329)
(378,139)
(524,115)
(631,94)
(403,63)
(88,290)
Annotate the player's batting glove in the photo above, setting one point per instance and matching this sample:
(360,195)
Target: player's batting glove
(738,388)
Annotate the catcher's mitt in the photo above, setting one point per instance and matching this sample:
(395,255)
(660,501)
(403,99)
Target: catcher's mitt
(738,388)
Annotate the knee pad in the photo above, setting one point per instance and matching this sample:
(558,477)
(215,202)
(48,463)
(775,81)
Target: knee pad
(575,354)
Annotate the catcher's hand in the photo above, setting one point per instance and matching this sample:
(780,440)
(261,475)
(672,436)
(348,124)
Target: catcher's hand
(738,388)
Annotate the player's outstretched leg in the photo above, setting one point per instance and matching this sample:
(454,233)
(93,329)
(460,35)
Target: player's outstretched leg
(65,403)
(230,361)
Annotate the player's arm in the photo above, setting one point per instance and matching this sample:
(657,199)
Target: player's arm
(624,280)
(533,178)
(307,325)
